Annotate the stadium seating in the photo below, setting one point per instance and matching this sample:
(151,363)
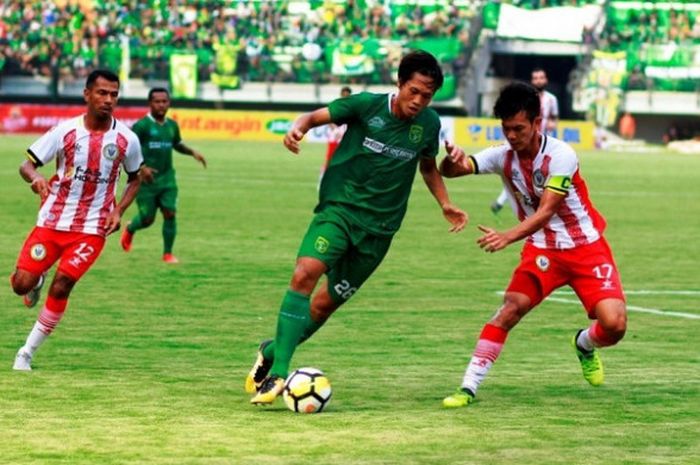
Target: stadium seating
(662,42)
(263,40)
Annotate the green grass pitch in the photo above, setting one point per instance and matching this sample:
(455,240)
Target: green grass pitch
(147,367)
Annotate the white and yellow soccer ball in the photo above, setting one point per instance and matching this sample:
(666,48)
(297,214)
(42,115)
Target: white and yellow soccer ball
(307,390)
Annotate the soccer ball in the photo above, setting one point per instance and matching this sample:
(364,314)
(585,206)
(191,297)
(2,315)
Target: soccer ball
(307,390)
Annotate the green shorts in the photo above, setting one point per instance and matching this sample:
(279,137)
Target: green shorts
(161,195)
(350,253)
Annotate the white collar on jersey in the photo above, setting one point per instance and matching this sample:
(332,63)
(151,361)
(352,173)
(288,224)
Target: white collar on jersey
(81,122)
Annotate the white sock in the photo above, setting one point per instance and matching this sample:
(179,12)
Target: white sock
(45,324)
(35,339)
(502,198)
(476,371)
(485,353)
(584,341)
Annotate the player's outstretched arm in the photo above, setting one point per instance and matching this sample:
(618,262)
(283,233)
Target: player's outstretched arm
(182,148)
(493,241)
(304,124)
(456,163)
(432,178)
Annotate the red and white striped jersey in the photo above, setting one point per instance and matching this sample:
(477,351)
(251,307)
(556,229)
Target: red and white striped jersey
(556,168)
(88,164)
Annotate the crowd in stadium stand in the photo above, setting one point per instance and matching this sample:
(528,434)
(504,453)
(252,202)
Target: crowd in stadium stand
(277,40)
(655,34)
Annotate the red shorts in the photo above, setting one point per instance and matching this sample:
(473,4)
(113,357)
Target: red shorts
(77,251)
(590,270)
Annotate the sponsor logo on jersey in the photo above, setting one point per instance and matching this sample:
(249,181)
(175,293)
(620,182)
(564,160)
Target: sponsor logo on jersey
(110,152)
(525,199)
(415,134)
(376,122)
(392,151)
(92,176)
(542,262)
(38,252)
(321,244)
(158,144)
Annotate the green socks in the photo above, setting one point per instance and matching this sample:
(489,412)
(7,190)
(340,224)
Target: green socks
(293,319)
(311,328)
(169,230)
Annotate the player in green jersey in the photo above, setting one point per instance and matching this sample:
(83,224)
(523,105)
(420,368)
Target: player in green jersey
(362,201)
(158,135)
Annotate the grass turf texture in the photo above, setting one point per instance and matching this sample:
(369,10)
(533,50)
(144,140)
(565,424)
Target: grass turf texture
(148,364)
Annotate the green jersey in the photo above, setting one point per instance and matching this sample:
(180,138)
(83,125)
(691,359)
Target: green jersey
(371,173)
(157,142)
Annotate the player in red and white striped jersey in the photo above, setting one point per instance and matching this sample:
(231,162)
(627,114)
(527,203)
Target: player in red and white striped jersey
(549,113)
(563,232)
(79,207)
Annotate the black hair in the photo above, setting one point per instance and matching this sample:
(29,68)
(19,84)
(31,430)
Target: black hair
(422,62)
(100,73)
(346,89)
(516,97)
(538,69)
(157,89)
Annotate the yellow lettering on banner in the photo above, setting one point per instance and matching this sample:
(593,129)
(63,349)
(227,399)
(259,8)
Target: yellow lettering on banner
(486,132)
(233,125)
(255,126)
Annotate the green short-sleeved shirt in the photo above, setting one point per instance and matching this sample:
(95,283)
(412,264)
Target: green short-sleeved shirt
(372,171)
(157,142)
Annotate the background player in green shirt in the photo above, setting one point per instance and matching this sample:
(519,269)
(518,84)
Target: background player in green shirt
(362,201)
(158,135)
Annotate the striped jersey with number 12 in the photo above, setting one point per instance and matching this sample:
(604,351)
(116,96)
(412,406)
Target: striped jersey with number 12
(88,164)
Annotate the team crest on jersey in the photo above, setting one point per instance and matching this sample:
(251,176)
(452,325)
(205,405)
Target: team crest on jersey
(542,262)
(321,244)
(415,134)
(376,122)
(38,252)
(110,152)
(538,179)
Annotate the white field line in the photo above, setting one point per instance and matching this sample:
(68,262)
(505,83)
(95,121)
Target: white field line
(635,308)
(640,292)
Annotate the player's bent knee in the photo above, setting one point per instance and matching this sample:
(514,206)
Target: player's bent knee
(508,316)
(61,286)
(306,275)
(612,317)
(616,329)
(147,221)
(22,282)
(515,307)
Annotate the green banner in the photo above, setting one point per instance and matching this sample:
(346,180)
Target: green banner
(605,85)
(183,76)
(225,75)
(351,59)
